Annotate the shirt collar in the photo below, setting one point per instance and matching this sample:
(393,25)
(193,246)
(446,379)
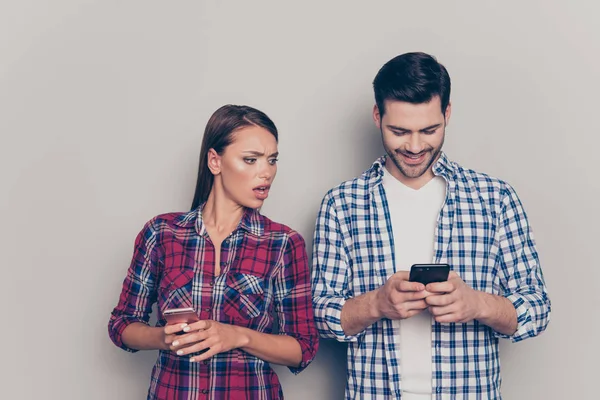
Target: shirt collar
(443,167)
(251,221)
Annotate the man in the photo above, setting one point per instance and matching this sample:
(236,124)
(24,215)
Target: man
(405,339)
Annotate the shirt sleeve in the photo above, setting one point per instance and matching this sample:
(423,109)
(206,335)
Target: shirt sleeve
(138,293)
(520,275)
(293,300)
(330,274)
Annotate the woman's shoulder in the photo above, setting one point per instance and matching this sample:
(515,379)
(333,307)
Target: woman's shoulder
(182,219)
(273,227)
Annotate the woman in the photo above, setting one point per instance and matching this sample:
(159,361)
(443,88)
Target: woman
(235,267)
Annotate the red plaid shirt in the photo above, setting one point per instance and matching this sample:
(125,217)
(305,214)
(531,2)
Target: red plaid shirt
(264,275)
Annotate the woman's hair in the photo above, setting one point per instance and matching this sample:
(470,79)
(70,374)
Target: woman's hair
(219,134)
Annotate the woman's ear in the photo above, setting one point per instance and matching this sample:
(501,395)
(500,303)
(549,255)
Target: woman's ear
(214,162)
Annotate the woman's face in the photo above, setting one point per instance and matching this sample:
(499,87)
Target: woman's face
(248,166)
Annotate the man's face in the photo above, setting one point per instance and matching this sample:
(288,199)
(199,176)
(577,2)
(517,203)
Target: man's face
(413,135)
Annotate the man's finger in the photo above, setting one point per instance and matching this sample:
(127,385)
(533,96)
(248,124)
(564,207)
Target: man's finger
(415,305)
(420,295)
(412,313)
(447,318)
(438,300)
(401,275)
(438,311)
(440,287)
(406,286)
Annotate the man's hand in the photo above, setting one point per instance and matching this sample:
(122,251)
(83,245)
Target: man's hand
(453,300)
(399,298)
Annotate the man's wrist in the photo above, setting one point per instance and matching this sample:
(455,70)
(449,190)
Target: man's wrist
(482,305)
(373,301)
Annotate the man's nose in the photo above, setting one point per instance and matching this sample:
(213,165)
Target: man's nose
(415,144)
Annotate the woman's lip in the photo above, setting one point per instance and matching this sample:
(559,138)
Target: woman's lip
(261,194)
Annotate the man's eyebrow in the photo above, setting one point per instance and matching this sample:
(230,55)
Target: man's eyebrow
(431,127)
(399,128)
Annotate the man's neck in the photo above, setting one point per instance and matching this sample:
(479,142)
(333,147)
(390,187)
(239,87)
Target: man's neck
(413,183)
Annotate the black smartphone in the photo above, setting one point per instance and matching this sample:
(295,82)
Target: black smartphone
(428,273)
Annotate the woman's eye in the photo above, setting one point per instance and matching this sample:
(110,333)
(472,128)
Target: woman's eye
(273,161)
(250,160)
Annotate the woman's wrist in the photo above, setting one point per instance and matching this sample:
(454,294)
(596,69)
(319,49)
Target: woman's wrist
(243,335)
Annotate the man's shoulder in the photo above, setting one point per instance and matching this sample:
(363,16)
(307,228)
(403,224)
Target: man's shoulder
(357,187)
(485,185)
(354,186)
(349,193)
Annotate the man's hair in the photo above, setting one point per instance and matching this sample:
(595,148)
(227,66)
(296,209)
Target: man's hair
(414,78)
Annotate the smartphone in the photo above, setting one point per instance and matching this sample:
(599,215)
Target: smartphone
(428,273)
(180,315)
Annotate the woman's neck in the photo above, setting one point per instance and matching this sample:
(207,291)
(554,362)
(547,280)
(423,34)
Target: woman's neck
(220,213)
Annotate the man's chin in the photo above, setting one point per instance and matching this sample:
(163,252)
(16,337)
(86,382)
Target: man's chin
(414,171)
(413,174)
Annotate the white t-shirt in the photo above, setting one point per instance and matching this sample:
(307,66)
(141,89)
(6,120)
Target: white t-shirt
(414,216)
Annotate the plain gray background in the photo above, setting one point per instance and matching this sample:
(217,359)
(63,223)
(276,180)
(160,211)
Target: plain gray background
(102,109)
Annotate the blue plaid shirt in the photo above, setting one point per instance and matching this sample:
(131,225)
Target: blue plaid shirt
(482,232)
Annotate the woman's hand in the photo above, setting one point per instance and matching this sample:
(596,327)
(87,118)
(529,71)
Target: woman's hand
(170,334)
(208,334)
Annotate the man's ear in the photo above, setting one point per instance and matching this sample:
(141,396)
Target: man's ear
(377,116)
(214,162)
(448,113)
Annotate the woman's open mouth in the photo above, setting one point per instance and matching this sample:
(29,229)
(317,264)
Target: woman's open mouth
(262,192)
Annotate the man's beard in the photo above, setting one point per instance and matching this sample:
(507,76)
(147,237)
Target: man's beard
(414,171)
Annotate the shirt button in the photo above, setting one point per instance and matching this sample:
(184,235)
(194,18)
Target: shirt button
(438,389)
(212,282)
(205,362)
(207,309)
(204,391)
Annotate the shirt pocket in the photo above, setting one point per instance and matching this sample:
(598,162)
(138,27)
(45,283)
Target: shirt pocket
(244,296)
(175,289)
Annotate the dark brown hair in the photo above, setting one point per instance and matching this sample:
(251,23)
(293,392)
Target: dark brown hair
(414,78)
(219,134)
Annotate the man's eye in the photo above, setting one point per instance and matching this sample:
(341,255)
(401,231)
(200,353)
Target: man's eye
(429,132)
(250,160)
(273,161)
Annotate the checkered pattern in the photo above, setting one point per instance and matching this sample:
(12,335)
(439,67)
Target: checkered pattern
(482,232)
(264,274)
